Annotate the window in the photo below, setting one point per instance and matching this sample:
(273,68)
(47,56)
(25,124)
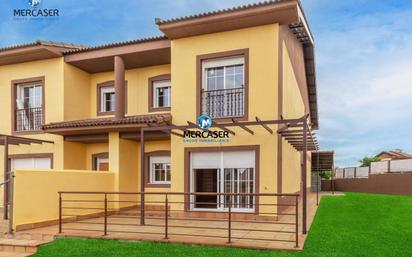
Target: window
(161,94)
(226,73)
(223,87)
(107,99)
(28,105)
(159,169)
(223,172)
(28,162)
(100,161)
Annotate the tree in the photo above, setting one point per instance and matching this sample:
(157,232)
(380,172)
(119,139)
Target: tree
(366,161)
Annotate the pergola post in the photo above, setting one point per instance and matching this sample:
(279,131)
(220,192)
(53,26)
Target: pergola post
(304,172)
(142,175)
(6,184)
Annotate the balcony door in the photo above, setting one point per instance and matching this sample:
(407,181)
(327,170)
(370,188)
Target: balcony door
(223,172)
(29,106)
(223,87)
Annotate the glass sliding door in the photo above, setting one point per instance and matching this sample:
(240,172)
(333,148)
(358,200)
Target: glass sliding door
(223,172)
(241,181)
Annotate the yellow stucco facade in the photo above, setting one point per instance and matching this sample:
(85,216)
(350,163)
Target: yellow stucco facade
(71,94)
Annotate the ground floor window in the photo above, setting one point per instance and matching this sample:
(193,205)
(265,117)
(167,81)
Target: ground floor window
(223,172)
(31,163)
(160,169)
(100,161)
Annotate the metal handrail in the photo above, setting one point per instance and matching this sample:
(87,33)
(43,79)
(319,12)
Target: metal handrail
(101,209)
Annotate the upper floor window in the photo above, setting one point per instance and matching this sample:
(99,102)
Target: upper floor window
(108,101)
(106,98)
(160,93)
(220,74)
(224,84)
(28,107)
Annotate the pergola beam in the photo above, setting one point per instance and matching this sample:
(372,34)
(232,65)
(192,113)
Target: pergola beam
(259,121)
(243,127)
(221,126)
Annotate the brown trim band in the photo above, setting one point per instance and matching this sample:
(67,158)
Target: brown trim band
(150,92)
(188,150)
(200,58)
(147,156)
(109,83)
(14,84)
(33,155)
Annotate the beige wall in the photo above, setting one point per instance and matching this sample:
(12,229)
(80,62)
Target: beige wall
(137,88)
(293,107)
(36,192)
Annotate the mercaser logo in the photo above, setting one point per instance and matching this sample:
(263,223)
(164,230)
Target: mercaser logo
(35,11)
(204,122)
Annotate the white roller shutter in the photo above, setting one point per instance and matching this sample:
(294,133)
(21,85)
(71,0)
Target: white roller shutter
(208,160)
(239,159)
(31,163)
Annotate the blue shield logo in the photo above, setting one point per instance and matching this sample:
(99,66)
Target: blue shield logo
(34,3)
(204,122)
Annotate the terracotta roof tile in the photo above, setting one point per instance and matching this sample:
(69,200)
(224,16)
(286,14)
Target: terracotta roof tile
(158,119)
(232,9)
(114,44)
(41,42)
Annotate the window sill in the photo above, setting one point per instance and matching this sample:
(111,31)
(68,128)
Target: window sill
(155,185)
(159,109)
(104,113)
(27,132)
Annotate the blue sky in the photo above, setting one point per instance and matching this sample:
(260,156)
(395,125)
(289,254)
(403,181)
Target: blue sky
(363,50)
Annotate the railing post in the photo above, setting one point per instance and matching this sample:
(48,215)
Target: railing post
(166,217)
(60,212)
(297,221)
(105,214)
(230,221)
(11,201)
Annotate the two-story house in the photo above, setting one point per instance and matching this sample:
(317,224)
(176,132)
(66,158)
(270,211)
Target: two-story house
(118,116)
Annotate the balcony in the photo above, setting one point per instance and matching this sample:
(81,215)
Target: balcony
(28,119)
(223,103)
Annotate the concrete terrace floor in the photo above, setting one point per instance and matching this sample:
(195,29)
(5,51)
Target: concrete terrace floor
(125,228)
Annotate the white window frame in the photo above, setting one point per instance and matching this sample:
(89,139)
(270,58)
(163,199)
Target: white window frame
(161,84)
(33,103)
(164,160)
(221,62)
(105,90)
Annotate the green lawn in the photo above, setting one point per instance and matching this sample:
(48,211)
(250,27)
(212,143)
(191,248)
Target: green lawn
(350,225)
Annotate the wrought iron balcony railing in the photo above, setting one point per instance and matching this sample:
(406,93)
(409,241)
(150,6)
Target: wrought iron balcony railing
(223,102)
(29,119)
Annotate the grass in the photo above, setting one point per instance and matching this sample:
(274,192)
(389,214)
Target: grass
(351,225)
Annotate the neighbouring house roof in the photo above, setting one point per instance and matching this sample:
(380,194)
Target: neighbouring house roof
(115,44)
(106,124)
(135,53)
(34,51)
(322,161)
(395,155)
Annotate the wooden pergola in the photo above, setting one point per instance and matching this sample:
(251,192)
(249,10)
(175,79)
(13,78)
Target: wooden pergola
(6,141)
(295,131)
